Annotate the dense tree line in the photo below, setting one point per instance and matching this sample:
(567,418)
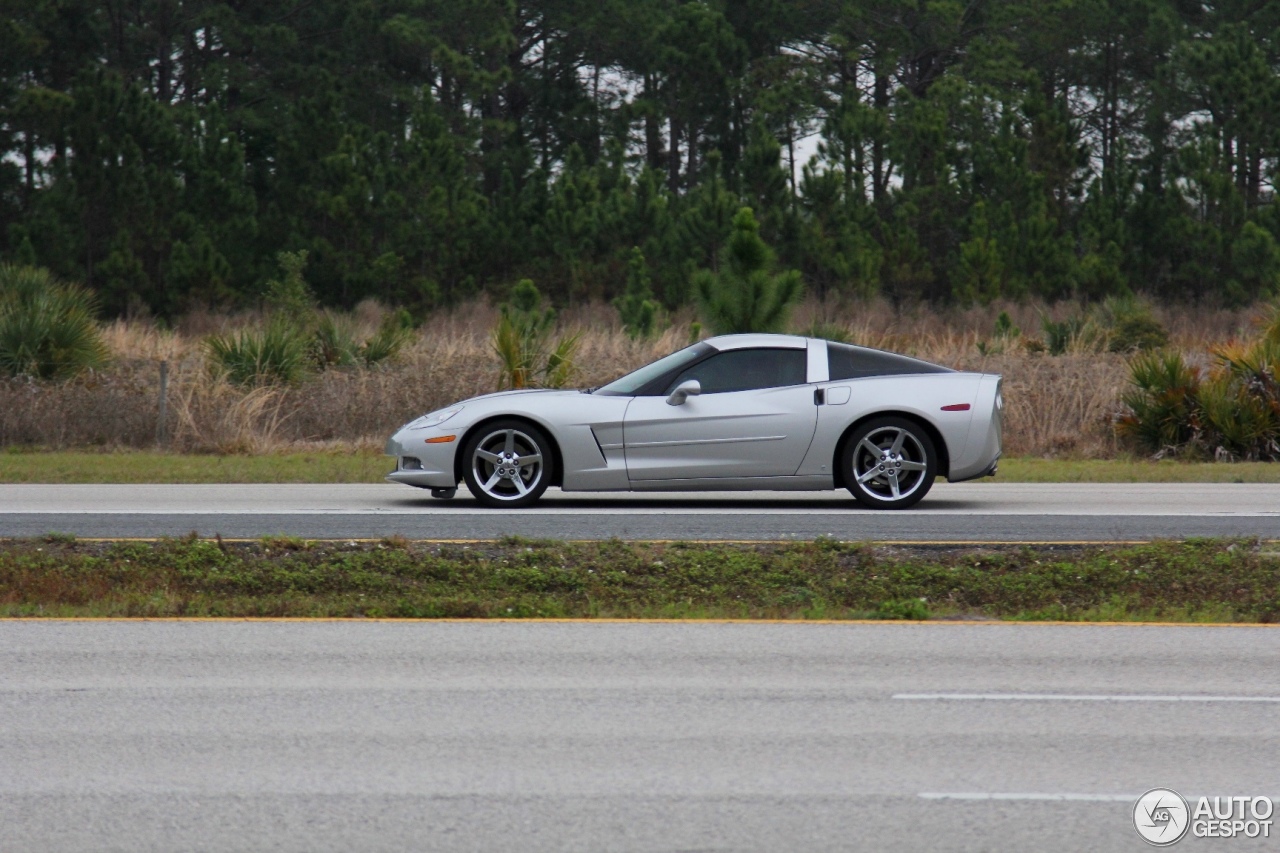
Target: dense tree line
(163,152)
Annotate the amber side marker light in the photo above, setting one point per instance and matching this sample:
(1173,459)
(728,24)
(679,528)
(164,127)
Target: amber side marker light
(956,407)
(442,439)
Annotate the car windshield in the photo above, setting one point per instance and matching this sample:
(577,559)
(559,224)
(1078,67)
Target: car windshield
(637,379)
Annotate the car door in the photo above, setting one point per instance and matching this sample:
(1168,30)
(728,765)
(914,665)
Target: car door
(755,417)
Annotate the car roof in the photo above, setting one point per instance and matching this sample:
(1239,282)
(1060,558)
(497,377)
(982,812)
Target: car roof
(728,342)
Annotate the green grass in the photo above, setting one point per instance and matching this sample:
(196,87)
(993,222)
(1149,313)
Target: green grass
(1195,581)
(18,466)
(1129,470)
(145,467)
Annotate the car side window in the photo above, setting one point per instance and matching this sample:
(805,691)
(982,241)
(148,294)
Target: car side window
(747,370)
(851,362)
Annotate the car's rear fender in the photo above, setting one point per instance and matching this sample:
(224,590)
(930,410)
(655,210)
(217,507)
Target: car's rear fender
(941,403)
(984,443)
(935,436)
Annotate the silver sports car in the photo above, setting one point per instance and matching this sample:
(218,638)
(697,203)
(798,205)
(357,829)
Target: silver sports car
(735,412)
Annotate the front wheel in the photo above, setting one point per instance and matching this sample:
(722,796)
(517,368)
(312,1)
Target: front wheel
(889,463)
(507,464)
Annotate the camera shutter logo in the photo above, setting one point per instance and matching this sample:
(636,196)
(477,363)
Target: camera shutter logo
(1161,817)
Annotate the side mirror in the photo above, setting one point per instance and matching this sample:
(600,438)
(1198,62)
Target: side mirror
(685,390)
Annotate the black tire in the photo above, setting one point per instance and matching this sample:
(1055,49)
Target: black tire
(498,464)
(885,479)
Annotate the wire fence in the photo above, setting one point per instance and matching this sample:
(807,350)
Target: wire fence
(1055,406)
(181,405)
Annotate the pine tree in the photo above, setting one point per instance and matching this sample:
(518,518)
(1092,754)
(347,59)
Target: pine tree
(764,181)
(746,295)
(982,269)
(636,306)
(574,220)
(707,220)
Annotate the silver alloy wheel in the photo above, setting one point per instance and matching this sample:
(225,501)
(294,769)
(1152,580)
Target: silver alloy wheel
(507,465)
(890,463)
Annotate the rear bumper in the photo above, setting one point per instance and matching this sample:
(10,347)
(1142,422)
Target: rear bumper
(990,471)
(984,444)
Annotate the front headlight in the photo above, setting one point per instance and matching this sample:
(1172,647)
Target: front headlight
(433,419)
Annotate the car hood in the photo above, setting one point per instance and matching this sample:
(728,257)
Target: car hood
(523,392)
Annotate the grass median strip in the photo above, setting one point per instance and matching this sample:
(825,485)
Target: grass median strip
(369,466)
(142,467)
(1193,581)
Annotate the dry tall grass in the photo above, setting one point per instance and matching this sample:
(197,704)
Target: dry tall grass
(1056,406)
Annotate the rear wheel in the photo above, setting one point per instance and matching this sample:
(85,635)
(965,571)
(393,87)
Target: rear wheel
(889,463)
(508,464)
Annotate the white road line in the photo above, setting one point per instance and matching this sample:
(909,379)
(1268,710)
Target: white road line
(1077,697)
(418,511)
(570,511)
(1079,798)
(1082,798)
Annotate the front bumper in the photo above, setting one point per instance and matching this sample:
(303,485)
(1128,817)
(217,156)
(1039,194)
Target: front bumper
(426,466)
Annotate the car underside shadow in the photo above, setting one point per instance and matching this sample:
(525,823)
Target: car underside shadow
(675,501)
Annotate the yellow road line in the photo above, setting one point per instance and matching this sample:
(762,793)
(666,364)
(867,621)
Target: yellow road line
(949,543)
(621,621)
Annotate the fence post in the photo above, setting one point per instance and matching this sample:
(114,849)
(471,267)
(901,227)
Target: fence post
(162,436)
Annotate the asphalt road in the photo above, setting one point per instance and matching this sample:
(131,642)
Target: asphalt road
(640,737)
(1014,512)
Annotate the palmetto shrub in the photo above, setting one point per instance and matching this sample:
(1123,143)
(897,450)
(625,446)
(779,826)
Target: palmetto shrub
(1060,334)
(1235,422)
(1241,400)
(1163,403)
(47,328)
(1137,332)
(385,344)
(276,352)
(338,343)
(1233,412)
(1129,324)
(527,356)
